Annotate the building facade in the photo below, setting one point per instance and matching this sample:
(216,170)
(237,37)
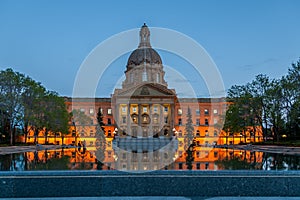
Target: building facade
(145,111)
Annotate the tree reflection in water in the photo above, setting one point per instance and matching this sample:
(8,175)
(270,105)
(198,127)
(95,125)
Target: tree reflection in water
(74,159)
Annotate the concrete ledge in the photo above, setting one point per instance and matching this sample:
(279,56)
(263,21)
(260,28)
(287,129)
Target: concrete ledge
(157,183)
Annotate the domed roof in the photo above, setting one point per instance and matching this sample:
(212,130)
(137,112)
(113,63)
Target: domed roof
(144,53)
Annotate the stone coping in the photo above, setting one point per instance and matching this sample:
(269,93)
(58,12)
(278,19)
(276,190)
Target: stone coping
(157,183)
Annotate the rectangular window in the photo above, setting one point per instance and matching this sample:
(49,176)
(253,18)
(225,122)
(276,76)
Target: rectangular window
(82,110)
(145,109)
(123,109)
(215,111)
(197,111)
(198,165)
(197,122)
(109,111)
(124,120)
(179,121)
(166,109)
(91,111)
(155,109)
(134,109)
(215,120)
(108,121)
(179,111)
(206,122)
(206,112)
(144,76)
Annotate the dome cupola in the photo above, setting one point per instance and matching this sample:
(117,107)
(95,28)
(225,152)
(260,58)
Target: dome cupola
(144,53)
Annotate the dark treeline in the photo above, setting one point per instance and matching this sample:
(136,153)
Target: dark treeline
(25,105)
(272,104)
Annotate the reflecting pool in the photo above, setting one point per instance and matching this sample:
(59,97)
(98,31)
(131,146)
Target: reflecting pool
(201,158)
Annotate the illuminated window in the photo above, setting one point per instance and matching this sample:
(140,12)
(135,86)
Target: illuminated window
(145,109)
(91,111)
(179,111)
(206,112)
(109,111)
(134,109)
(123,109)
(215,111)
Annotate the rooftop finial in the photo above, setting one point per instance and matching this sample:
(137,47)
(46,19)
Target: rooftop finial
(144,37)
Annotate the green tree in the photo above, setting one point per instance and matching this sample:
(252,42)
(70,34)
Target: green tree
(189,140)
(11,89)
(291,98)
(56,116)
(100,140)
(32,98)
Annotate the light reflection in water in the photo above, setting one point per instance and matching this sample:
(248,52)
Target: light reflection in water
(203,159)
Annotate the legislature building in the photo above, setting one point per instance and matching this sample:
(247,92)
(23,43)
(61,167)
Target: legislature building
(144,115)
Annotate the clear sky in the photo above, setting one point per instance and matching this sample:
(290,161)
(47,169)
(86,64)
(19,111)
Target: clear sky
(48,40)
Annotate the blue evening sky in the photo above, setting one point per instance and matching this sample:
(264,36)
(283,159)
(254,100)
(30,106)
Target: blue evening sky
(48,40)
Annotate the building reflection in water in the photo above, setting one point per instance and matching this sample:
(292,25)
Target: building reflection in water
(205,158)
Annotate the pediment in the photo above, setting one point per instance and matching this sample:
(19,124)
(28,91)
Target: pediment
(150,89)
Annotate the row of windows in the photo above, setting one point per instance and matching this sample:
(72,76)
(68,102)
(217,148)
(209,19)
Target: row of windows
(197,111)
(206,123)
(92,111)
(206,165)
(144,109)
(198,133)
